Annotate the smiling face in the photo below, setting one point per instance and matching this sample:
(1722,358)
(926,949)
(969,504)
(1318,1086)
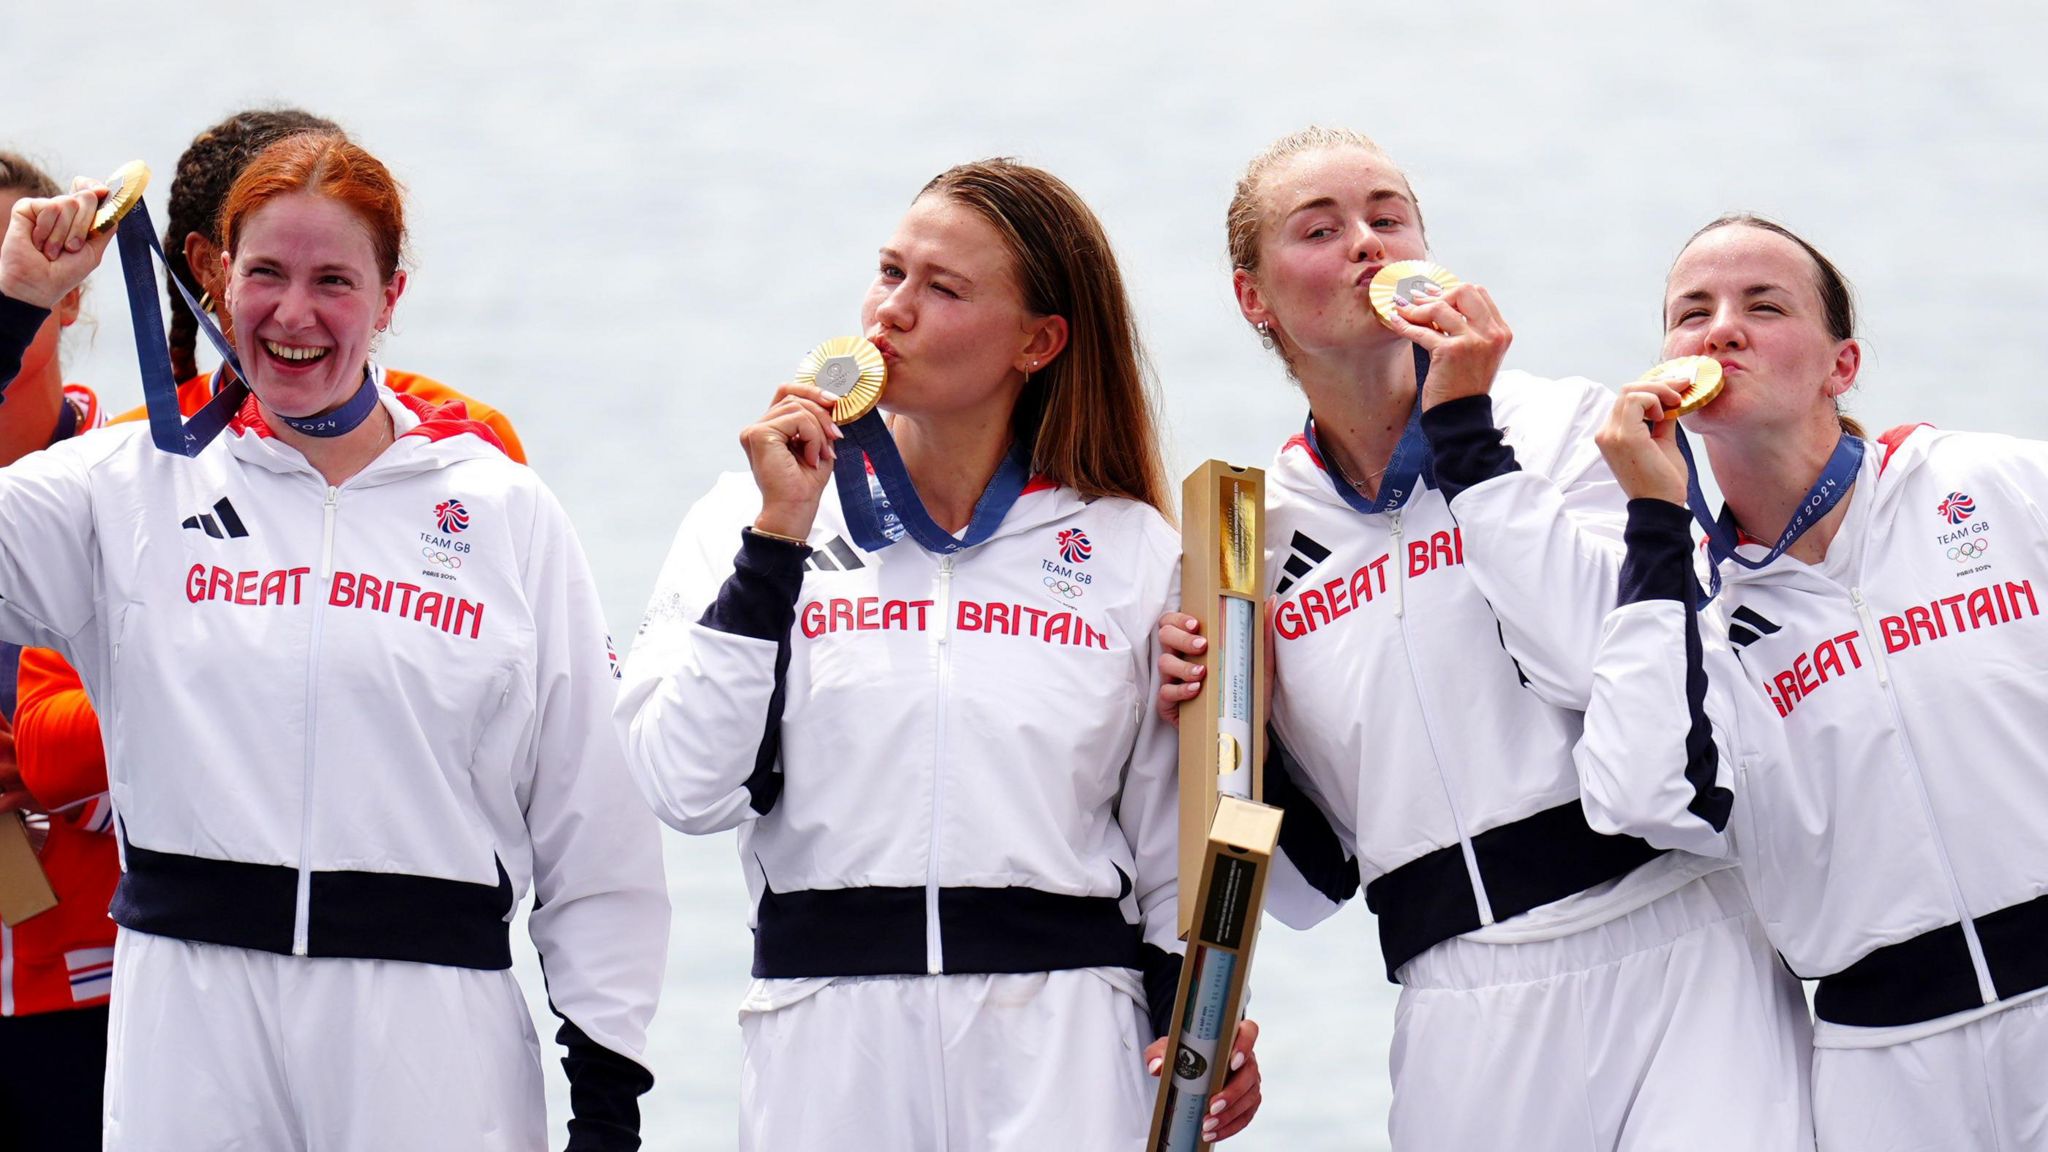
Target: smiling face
(305,297)
(1751,299)
(948,314)
(1329,219)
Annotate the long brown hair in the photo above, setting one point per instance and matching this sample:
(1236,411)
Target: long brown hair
(1090,416)
(19,174)
(1837,301)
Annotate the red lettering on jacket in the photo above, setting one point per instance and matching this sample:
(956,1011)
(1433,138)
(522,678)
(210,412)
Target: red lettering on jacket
(1313,607)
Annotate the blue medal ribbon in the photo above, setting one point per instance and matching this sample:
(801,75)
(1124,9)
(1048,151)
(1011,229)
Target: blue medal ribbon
(879,519)
(1836,477)
(168,427)
(1410,467)
(343,420)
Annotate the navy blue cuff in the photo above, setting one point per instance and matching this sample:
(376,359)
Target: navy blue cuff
(1465,445)
(604,1093)
(1162,983)
(18,324)
(759,598)
(1658,565)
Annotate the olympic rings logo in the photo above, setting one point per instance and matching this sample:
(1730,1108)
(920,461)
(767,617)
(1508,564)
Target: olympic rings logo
(1065,588)
(1969,551)
(444,559)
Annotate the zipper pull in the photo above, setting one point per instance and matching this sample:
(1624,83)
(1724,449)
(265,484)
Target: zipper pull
(1400,564)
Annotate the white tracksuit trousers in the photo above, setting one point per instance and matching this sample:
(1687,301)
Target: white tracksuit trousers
(966,1063)
(1672,1027)
(213,1048)
(1981,1086)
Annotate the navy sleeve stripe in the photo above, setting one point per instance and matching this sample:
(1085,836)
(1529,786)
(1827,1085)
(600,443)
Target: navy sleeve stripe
(1306,836)
(18,324)
(604,1092)
(1658,566)
(1467,448)
(1162,983)
(759,600)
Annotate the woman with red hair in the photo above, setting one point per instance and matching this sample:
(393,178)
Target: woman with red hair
(355,685)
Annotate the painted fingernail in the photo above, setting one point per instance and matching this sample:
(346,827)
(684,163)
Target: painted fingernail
(1236,1061)
(1198,644)
(830,397)
(1216,1109)
(1208,1126)
(1157,1063)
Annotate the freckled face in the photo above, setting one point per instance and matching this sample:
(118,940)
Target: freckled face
(1331,219)
(1750,299)
(947,311)
(305,297)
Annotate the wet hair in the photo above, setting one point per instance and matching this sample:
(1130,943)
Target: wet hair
(1837,300)
(20,175)
(1241,222)
(1089,415)
(329,166)
(200,189)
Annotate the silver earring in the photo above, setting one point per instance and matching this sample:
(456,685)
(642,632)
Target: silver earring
(1265,335)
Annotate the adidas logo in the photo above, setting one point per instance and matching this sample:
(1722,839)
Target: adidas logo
(222,517)
(1748,627)
(1303,554)
(836,556)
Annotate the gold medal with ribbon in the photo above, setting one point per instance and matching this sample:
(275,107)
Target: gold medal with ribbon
(1401,283)
(124,191)
(850,368)
(1697,378)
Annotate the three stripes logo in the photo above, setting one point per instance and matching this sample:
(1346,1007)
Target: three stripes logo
(1303,554)
(836,556)
(220,523)
(1748,627)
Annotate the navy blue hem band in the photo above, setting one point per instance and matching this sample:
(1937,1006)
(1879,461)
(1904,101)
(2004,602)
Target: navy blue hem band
(1534,861)
(1658,564)
(1306,835)
(880,932)
(1468,449)
(358,915)
(18,325)
(1930,976)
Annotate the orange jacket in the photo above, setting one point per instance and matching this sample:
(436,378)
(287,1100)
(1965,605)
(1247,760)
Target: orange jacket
(57,742)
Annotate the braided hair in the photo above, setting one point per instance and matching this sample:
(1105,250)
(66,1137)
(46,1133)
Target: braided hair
(205,173)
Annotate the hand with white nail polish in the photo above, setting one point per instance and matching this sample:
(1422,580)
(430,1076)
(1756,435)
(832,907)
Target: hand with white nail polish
(791,451)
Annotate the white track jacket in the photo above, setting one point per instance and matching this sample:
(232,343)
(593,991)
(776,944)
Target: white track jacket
(1430,668)
(352,722)
(936,763)
(1880,717)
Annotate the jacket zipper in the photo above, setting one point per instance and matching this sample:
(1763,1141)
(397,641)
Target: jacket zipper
(303,903)
(1875,643)
(1400,563)
(934,947)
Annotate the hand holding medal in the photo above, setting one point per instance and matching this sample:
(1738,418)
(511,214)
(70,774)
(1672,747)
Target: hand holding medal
(1455,322)
(791,448)
(1640,439)
(52,245)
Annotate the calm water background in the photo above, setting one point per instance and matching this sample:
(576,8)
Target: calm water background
(630,220)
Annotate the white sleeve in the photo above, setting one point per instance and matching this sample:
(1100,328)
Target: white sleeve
(1662,725)
(1542,539)
(49,548)
(1148,810)
(601,913)
(700,709)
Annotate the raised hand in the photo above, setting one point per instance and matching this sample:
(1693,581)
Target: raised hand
(790,450)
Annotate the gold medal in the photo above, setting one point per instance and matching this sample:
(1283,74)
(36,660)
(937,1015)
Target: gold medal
(1401,283)
(1697,378)
(124,191)
(850,368)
